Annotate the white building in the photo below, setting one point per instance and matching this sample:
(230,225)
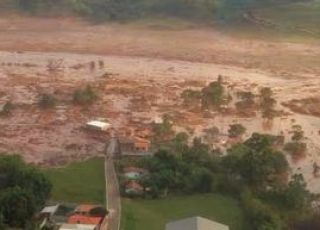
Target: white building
(196,223)
(98,125)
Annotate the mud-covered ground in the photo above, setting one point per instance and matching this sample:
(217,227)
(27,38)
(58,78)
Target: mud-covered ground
(144,72)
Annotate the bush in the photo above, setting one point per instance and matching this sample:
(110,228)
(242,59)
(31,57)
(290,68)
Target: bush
(236,130)
(84,97)
(296,149)
(46,101)
(7,108)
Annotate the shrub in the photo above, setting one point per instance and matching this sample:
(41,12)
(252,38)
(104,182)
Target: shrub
(296,149)
(84,96)
(46,101)
(6,109)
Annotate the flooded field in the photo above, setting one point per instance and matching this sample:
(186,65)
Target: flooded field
(132,91)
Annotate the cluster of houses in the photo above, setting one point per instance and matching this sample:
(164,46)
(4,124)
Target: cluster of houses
(131,181)
(72,217)
(131,141)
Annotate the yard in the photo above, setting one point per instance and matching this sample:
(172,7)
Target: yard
(79,182)
(154,214)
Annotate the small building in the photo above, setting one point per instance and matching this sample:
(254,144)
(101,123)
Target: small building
(78,227)
(133,173)
(158,120)
(84,209)
(133,188)
(98,125)
(195,223)
(134,146)
(49,211)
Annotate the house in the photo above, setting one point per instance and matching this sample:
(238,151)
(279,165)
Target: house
(77,227)
(133,173)
(84,209)
(86,220)
(133,188)
(134,146)
(98,125)
(49,211)
(158,120)
(195,223)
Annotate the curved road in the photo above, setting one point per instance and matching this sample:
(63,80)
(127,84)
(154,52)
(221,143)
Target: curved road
(112,189)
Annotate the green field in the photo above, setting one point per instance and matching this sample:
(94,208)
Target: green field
(79,182)
(154,214)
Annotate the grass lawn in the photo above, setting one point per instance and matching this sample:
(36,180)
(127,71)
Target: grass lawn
(154,214)
(79,182)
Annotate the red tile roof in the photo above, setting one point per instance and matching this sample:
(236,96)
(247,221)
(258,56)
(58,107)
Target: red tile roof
(81,219)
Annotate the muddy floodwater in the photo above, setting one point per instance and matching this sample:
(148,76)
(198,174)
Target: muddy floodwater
(132,91)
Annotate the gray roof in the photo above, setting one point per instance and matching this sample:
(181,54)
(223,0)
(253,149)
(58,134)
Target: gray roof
(196,223)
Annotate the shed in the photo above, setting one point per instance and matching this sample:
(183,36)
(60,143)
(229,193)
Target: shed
(196,223)
(98,125)
(50,210)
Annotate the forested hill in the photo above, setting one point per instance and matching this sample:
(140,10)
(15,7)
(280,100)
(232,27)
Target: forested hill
(101,10)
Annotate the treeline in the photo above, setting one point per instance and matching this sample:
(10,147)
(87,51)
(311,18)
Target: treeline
(101,10)
(23,191)
(254,172)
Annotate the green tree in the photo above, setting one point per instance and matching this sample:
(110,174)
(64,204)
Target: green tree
(17,206)
(260,215)
(296,149)
(297,133)
(297,197)
(213,95)
(23,189)
(267,103)
(236,130)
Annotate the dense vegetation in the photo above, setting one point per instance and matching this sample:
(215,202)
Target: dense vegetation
(254,172)
(124,9)
(23,190)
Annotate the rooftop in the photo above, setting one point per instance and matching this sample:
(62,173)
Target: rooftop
(77,227)
(196,223)
(81,219)
(99,124)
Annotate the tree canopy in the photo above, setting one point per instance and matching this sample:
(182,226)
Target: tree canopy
(23,189)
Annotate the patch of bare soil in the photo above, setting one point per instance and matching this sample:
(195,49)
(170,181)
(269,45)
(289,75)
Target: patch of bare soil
(308,106)
(197,44)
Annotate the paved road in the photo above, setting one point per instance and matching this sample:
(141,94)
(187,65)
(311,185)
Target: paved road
(112,188)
